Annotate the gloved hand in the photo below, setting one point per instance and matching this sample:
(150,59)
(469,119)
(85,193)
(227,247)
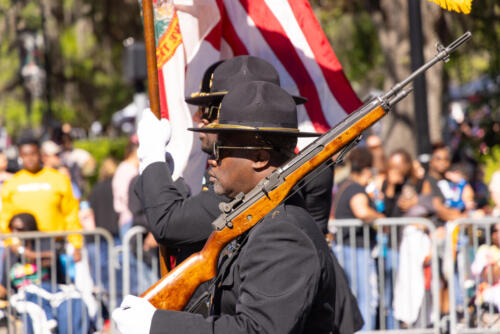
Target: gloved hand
(153,135)
(134,315)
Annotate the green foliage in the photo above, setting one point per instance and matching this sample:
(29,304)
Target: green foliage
(348,28)
(9,64)
(85,47)
(102,148)
(4,4)
(30,15)
(14,111)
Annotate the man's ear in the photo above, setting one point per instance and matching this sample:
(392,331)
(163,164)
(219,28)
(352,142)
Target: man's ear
(262,159)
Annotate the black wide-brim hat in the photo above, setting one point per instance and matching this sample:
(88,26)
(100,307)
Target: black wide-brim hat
(257,106)
(233,72)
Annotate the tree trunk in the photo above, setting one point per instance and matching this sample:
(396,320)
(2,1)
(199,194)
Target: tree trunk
(391,19)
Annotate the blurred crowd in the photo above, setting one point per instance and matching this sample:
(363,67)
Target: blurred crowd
(393,185)
(47,189)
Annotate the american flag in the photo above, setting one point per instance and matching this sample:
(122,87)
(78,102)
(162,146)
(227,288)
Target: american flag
(193,34)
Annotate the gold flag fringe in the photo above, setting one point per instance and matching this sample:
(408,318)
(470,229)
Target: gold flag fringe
(459,6)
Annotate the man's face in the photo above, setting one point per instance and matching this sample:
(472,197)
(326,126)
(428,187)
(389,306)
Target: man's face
(207,139)
(233,172)
(205,116)
(440,161)
(30,154)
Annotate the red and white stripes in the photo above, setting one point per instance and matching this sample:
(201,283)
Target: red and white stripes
(285,33)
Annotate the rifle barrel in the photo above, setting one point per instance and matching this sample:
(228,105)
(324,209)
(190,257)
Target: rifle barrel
(443,54)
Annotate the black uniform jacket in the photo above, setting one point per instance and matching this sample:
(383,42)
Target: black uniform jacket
(178,220)
(279,280)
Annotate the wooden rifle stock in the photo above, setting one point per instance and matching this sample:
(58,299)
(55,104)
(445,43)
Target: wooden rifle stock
(174,290)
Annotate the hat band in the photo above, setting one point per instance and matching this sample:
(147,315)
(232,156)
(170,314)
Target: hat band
(198,94)
(245,127)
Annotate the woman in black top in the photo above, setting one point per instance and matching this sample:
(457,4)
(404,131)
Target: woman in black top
(352,202)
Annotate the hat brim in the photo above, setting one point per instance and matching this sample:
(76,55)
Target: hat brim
(218,128)
(201,99)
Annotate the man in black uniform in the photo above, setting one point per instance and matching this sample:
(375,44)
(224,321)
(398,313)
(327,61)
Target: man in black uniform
(172,202)
(278,277)
(182,221)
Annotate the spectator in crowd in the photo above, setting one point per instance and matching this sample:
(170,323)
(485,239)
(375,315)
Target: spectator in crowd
(405,260)
(46,310)
(43,192)
(374,144)
(399,196)
(400,188)
(51,159)
(438,166)
(457,191)
(433,186)
(352,202)
(50,154)
(80,162)
(104,216)
(125,172)
(486,268)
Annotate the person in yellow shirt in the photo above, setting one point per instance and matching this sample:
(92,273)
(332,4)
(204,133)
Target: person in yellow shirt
(43,192)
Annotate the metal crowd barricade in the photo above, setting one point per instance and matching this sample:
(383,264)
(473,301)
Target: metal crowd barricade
(382,256)
(17,320)
(463,240)
(145,275)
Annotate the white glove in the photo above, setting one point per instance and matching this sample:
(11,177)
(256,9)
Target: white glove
(153,135)
(134,315)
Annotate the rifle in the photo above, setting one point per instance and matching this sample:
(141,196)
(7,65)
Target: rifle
(174,290)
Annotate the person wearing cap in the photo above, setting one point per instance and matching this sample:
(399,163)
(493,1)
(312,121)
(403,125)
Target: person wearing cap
(279,276)
(183,222)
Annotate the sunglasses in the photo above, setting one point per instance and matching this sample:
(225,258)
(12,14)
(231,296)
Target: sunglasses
(218,147)
(210,113)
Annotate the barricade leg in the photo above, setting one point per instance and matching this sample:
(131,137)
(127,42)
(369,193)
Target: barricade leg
(365,288)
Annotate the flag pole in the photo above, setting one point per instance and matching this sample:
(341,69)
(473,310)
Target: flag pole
(154,96)
(149,40)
